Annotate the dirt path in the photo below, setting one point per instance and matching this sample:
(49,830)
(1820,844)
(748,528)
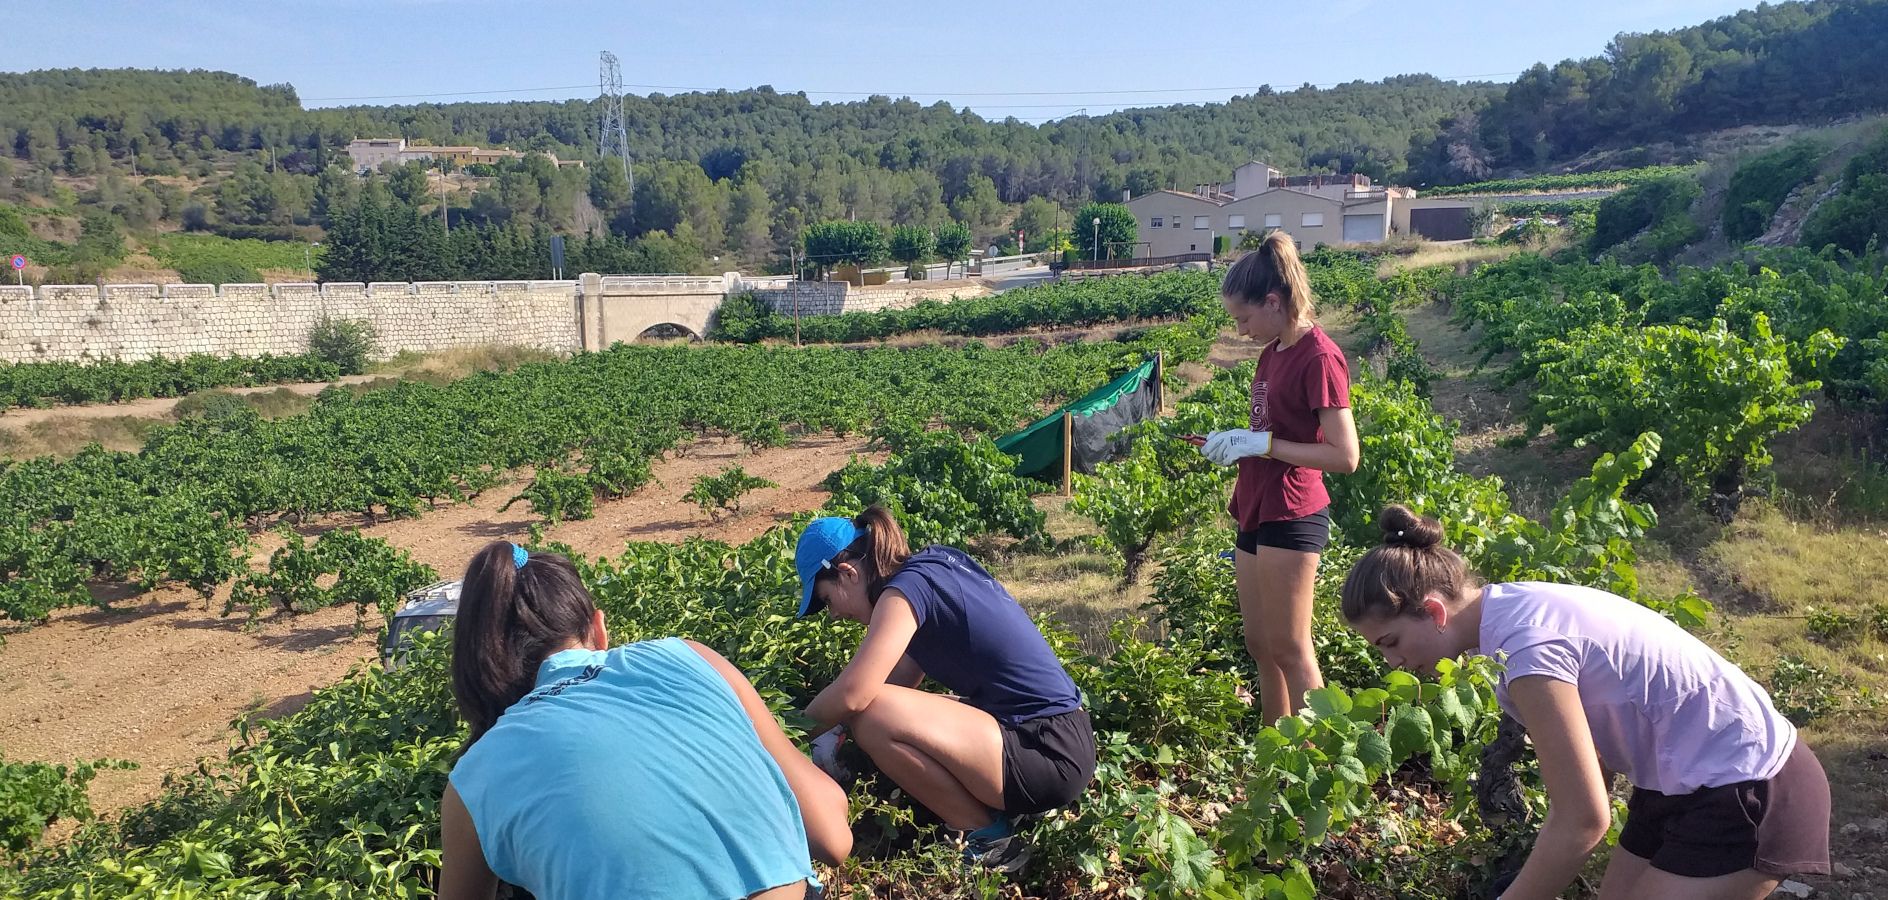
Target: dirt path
(158,680)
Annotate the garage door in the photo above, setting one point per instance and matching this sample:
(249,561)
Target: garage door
(1442,224)
(1363,229)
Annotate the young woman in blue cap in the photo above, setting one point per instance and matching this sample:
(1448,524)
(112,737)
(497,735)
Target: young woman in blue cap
(650,770)
(1018,742)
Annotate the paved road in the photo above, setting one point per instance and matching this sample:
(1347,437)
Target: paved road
(1019,278)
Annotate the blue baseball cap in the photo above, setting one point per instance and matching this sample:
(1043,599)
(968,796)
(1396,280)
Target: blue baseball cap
(822,540)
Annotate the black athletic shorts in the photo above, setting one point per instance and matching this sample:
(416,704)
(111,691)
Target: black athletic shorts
(1310,534)
(1047,762)
(1778,827)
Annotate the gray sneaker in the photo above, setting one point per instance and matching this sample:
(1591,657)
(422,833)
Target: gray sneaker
(1007,854)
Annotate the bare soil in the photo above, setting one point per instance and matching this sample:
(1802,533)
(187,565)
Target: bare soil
(158,679)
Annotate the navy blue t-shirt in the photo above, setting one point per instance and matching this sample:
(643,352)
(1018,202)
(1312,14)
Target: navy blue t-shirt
(976,640)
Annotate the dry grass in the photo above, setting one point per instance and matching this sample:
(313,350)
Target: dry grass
(1488,418)
(1789,570)
(1831,470)
(1450,254)
(62,437)
(459,362)
(1078,585)
(1796,567)
(65,436)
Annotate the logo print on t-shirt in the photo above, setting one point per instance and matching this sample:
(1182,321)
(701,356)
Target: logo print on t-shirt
(1261,415)
(551,690)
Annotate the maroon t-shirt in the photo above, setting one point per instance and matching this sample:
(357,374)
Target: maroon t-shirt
(1289,388)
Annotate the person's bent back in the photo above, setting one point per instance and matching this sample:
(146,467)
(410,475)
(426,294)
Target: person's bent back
(648,770)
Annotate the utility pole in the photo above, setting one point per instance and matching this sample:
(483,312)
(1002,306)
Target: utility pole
(612,134)
(793,259)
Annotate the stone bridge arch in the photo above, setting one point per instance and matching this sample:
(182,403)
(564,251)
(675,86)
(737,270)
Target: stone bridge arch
(623,307)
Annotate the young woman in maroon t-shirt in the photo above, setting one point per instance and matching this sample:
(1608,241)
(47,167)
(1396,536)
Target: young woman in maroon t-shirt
(1301,427)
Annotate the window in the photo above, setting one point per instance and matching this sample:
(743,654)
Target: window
(1199,223)
(1274,220)
(1236,222)
(1312,220)
(1155,223)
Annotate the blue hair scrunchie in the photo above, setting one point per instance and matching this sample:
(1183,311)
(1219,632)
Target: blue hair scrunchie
(518,556)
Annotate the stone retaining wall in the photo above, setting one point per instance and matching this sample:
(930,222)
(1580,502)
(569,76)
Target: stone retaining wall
(63,323)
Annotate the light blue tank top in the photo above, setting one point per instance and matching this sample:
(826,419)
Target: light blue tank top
(632,773)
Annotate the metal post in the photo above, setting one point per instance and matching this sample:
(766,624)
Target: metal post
(1097,256)
(1068,453)
(1160,386)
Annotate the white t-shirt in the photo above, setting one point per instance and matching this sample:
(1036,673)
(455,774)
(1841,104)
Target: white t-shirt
(1665,710)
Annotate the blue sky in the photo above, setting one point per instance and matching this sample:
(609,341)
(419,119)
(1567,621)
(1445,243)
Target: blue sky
(1032,61)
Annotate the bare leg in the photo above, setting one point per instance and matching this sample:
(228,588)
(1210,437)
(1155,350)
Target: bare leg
(945,754)
(1749,884)
(1272,687)
(1624,872)
(1289,579)
(1275,595)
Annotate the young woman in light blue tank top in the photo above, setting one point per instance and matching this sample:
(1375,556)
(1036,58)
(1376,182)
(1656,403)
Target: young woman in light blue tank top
(651,770)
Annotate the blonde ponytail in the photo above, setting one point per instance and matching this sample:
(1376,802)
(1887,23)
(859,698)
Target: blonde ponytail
(1273,269)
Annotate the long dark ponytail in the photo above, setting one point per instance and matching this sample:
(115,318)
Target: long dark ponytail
(511,618)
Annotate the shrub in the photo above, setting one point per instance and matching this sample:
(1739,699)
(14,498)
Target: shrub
(218,273)
(942,489)
(1761,184)
(558,496)
(34,795)
(722,492)
(1804,691)
(341,566)
(1660,208)
(346,343)
(745,319)
(1853,219)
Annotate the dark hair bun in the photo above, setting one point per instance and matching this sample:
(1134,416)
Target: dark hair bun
(1404,528)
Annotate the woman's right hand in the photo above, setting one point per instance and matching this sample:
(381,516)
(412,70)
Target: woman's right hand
(823,803)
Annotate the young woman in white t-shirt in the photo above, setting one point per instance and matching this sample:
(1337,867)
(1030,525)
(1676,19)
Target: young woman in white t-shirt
(1726,799)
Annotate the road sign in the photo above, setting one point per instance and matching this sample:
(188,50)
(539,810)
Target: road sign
(19,262)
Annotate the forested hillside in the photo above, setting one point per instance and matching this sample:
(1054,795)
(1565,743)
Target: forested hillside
(97,165)
(1778,63)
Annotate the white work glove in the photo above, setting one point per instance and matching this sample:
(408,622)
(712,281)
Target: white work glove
(826,754)
(1228,447)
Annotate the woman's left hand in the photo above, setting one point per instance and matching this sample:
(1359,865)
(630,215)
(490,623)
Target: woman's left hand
(1227,447)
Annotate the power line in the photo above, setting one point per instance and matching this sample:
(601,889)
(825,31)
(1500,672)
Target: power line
(887,93)
(562,87)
